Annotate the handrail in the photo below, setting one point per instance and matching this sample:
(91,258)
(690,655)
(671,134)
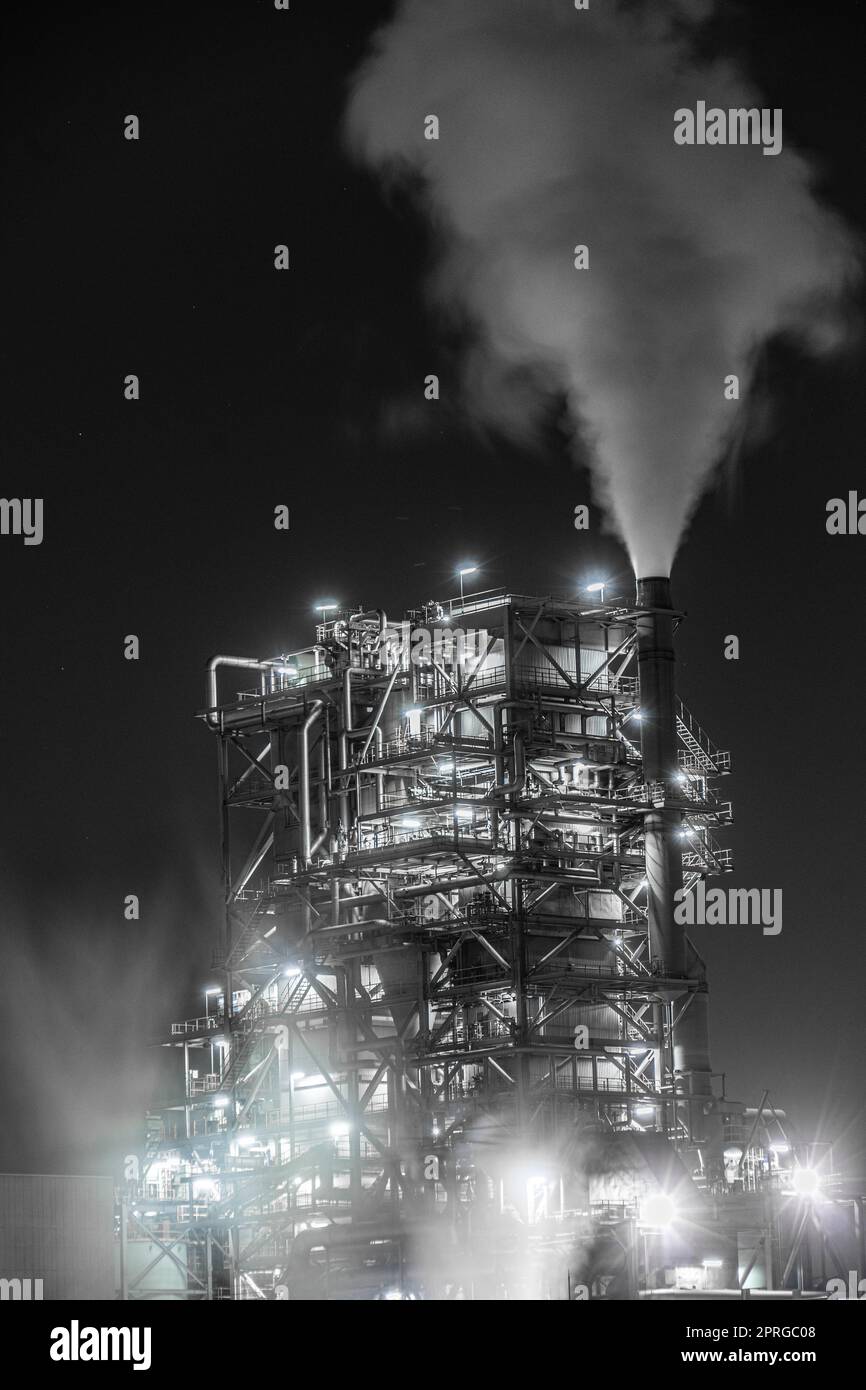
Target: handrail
(204,1024)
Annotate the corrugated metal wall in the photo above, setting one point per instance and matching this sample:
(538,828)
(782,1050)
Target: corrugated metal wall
(59,1230)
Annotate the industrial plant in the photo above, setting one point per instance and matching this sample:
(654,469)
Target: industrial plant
(482,381)
(454,1041)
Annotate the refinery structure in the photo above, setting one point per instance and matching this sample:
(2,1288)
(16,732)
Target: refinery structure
(454,1042)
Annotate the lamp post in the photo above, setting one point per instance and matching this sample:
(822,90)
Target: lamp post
(469,569)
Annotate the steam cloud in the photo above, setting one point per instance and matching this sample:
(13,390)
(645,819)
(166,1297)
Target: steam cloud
(556,129)
(88,994)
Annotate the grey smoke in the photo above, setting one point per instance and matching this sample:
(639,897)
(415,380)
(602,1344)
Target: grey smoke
(556,129)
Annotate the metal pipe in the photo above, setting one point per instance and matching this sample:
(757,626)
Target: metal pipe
(355,1236)
(380,709)
(379,773)
(371,613)
(304,779)
(258,714)
(246,663)
(344,747)
(358,618)
(323,785)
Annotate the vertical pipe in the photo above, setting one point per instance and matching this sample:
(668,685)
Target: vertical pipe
(344,748)
(499,769)
(860,1229)
(186,1109)
(348,982)
(225,845)
(518,957)
(124,1250)
(380,774)
(304,781)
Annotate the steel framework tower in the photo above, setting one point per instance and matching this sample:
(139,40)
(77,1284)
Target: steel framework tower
(451,846)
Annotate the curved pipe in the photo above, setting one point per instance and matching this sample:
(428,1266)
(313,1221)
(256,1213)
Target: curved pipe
(247,663)
(499,763)
(371,613)
(358,618)
(339,1237)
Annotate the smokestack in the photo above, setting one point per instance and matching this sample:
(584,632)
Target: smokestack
(658,738)
(670,950)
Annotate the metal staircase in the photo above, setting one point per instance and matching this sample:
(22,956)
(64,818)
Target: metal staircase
(699,753)
(252,934)
(244,1040)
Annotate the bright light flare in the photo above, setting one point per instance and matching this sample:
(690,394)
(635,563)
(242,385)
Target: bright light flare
(805,1182)
(658,1210)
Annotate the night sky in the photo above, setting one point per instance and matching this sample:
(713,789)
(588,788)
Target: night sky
(304,388)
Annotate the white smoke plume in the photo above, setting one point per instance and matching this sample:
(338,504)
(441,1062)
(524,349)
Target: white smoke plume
(557,129)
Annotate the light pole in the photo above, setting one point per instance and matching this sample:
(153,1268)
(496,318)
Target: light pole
(470,569)
(599,589)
